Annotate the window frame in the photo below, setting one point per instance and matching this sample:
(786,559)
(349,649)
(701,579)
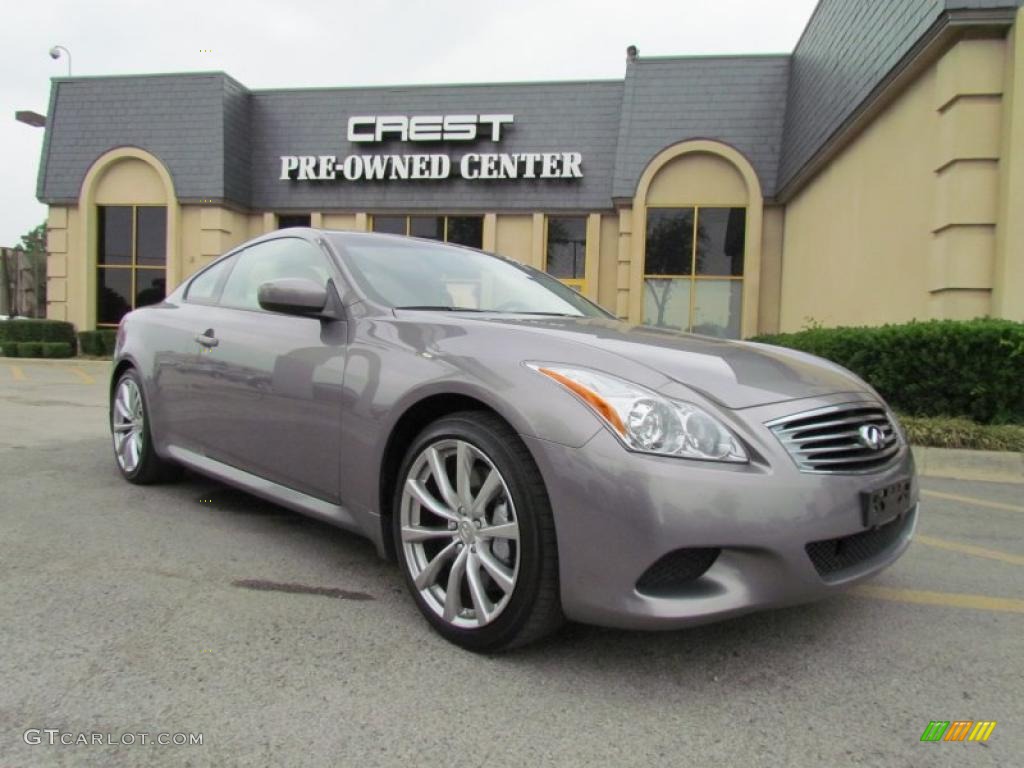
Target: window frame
(577,283)
(132,264)
(693,277)
(445,216)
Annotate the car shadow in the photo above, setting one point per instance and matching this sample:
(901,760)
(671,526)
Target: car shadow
(744,650)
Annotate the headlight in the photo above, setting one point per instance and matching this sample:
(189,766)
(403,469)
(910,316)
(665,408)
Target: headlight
(646,421)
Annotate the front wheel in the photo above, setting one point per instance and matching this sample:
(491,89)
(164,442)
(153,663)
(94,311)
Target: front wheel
(133,440)
(475,536)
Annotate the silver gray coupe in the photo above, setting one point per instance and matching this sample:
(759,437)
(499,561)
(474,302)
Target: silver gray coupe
(525,457)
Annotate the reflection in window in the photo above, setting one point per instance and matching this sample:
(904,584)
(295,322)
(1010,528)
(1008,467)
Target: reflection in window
(271,260)
(203,288)
(131,259)
(566,252)
(288,220)
(461,230)
(693,273)
(466,230)
(430,227)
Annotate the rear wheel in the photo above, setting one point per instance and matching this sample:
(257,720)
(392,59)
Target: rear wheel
(133,442)
(475,536)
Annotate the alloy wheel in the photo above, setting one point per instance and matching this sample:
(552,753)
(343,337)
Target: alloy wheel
(128,424)
(460,533)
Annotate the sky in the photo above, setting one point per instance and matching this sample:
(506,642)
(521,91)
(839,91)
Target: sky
(338,42)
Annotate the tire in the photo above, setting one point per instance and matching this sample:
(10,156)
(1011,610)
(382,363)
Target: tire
(134,454)
(493,537)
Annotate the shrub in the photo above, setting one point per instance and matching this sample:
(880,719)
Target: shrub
(944,432)
(29,329)
(971,368)
(99,343)
(30,349)
(57,349)
(87,343)
(9,348)
(108,339)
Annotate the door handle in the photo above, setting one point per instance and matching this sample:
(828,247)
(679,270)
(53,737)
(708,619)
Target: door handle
(207,339)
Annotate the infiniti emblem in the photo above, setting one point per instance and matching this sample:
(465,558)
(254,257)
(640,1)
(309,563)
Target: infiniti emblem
(871,436)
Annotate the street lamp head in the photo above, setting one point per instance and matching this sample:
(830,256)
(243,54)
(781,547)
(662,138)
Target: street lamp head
(55,53)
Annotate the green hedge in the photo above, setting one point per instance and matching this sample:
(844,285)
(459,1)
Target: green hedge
(30,349)
(57,349)
(9,348)
(29,329)
(99,343)
(971,368)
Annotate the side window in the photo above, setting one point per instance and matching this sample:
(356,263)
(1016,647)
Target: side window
(272,260)
(203,288)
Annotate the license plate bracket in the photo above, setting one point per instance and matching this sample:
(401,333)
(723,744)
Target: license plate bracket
(885,504)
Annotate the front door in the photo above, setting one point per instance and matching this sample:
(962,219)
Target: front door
(271,383)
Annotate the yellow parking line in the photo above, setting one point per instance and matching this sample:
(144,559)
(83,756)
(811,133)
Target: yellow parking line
(85,377)
(970,549)
(974,501)
(946,599)
(16,373)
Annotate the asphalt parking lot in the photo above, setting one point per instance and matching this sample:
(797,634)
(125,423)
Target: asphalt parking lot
(193,608)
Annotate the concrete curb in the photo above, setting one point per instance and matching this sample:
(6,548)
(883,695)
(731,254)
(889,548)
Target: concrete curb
(961,464)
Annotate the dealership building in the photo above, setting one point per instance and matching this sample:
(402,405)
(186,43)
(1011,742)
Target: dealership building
(875,174)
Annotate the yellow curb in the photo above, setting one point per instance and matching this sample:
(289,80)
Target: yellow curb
(970,549)
(971,500)
(945,599)
(85,377)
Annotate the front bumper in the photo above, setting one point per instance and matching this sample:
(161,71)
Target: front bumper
(618,512)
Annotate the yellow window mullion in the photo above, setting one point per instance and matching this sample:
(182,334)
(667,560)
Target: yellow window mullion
(135,248)
(693,268)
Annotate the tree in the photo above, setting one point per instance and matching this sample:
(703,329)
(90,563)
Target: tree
(29,255)
(34,241)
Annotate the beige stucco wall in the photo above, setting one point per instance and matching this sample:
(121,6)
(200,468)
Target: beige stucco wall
(608,262)
(698,178)
(1008,266)
(771,269)
(514,237)
(902,223)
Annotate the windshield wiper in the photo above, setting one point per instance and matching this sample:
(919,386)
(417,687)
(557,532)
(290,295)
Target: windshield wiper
(546,314)
(440,308)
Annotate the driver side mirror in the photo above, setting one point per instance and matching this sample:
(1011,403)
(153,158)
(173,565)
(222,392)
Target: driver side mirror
(293,296)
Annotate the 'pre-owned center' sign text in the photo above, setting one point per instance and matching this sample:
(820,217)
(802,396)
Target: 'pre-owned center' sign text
(370,129)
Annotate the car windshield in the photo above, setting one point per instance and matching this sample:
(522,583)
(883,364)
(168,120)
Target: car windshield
(415,274)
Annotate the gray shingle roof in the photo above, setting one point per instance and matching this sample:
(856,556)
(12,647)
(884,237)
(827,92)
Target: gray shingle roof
(178,118)
(222,141)
(739,100)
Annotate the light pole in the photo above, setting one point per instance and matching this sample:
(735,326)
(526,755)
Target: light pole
(55,54)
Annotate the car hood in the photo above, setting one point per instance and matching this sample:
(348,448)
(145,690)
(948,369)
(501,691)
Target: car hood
(733,373)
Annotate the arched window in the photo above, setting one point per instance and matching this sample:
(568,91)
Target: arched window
(699,222)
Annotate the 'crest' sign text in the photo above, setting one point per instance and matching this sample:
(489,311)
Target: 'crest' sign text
(367,129)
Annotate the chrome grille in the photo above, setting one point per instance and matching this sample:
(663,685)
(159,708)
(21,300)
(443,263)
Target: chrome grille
(829,439)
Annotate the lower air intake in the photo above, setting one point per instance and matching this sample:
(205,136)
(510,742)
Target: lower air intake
(677,569)
(832,557)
